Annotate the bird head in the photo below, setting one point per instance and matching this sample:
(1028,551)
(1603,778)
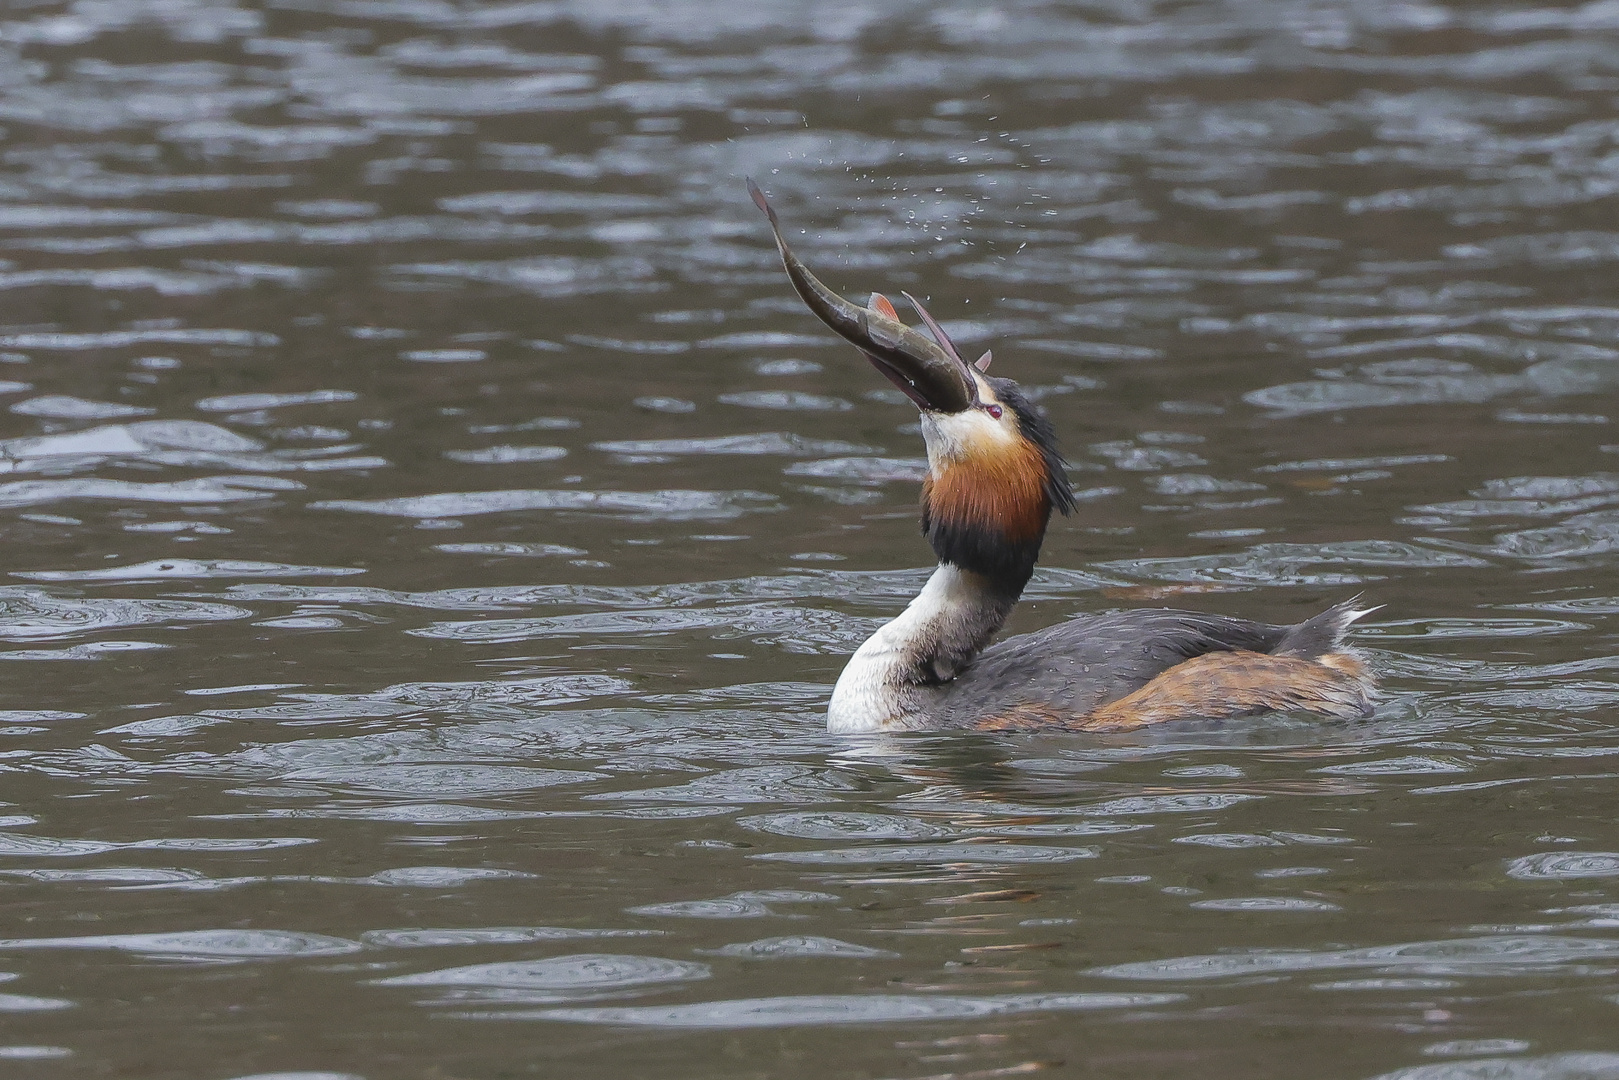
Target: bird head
(994,472)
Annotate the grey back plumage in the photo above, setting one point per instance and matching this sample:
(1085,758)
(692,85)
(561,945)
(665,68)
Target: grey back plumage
(1079,665)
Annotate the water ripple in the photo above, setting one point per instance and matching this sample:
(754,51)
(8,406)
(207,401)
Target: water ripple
(633,505)
(824,1009)
(846,825)
(488,935)
(221,489)
(429,779)
(1264,903)
(1592,1065)
(766,442)
(759,784)
(741,906)
(1498,955)
(186,443)
(27,1003)
(213,945)
(1564,866)
(30,613)
(1293,564)
(801,947)
(878,854)
(558,978)
(165,569)
(795,628)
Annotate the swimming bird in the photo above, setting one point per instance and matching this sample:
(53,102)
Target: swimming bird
(994,478)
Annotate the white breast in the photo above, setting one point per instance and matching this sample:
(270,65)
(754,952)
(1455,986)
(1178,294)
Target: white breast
(880,690)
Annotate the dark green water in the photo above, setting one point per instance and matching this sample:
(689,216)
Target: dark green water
(433,528)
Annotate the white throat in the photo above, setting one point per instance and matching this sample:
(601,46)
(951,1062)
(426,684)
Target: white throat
(893,678)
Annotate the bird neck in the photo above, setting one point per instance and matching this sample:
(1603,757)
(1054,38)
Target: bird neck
(902,668)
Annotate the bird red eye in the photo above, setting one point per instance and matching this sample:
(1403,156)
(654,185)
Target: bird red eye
(994,411)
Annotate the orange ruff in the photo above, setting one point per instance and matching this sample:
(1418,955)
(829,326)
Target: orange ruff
(1003,488)
(1215,686)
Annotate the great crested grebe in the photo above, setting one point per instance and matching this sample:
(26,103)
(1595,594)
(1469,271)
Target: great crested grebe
(994,477)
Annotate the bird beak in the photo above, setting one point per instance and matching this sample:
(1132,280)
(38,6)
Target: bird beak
(930,373)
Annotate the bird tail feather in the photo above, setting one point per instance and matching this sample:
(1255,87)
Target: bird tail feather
(1324,632)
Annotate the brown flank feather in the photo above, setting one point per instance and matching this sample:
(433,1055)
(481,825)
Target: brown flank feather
(1215,686)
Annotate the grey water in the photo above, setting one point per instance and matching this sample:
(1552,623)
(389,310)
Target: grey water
(431,527)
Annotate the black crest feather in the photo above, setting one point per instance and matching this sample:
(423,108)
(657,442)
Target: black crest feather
(1037,429)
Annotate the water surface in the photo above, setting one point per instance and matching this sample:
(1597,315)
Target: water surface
(433,528)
